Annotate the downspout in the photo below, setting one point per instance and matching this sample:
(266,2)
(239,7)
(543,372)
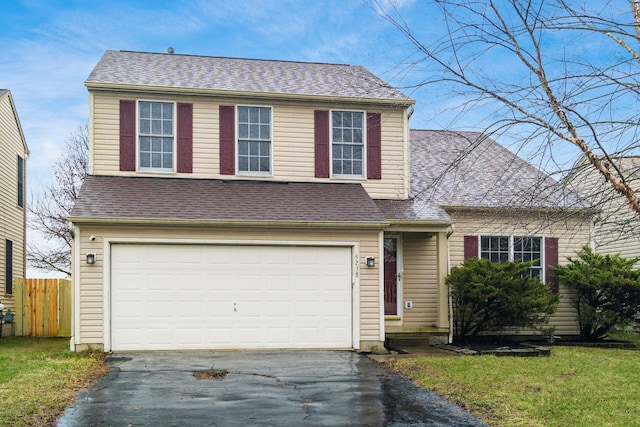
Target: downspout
(450,299)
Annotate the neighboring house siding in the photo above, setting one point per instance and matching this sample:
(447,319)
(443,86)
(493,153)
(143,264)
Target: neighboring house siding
(616,228)
(572,234)
(91,277)
(420,281)
(12,219)
(293,140)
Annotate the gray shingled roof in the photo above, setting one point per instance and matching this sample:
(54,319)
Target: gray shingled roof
(3,91)
(218,200)
(243,75)
(467,169)
(416,209)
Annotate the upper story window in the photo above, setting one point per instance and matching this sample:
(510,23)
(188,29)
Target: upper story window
(156,135)
(514,248)
(347,143)
(254,139)
(20,182)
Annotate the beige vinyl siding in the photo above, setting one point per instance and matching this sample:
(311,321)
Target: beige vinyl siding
(572,232)
(89,282)
(12,219)
(420,280)
(293,141)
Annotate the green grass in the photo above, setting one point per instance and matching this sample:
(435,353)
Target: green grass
(40,377)
(576,386)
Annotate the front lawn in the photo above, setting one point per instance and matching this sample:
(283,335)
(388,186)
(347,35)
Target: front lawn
(576,386)
(40,377)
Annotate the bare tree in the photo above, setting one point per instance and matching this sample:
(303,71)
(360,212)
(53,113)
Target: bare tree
(49,209)
(562,77)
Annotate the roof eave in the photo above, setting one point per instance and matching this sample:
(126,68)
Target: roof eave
(244,94)
(519,209)
(229,223)
(425,226)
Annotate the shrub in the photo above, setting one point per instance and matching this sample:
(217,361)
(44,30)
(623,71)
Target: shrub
(489,297)
(607,291)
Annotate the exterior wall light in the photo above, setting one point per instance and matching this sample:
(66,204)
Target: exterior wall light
(91,258)
(371,261)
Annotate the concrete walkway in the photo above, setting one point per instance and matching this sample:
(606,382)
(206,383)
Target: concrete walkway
(292,388)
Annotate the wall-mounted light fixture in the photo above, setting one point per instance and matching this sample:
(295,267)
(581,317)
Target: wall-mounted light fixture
(371,261)
(91,258)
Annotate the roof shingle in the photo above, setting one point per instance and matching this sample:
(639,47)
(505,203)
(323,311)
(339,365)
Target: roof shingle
(468,169)
(218,200)
(241,75)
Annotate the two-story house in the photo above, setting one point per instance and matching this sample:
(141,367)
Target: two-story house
(13,173)
(236,203)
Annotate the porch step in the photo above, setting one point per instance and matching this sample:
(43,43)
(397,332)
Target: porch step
(400,340)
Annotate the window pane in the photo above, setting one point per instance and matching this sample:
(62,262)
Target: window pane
(347,135)
(254,149)
(156,110)
(243,114)
(265,115)
(347,167)
(254,115)
(357,153)
(336,119)
(254,164)
(167,111)
(167,160)
(145,160)
(243,148)
(145,126)
(145,143)
(145,109)
(337,167)
(243,130)
(156,160)
(265,149)
(357,120)
(243,164)
(264,164)
(347,120)
(357,168)
(254,132)
(167,145)
(264,132)
(337,135)
(156,144)
(167,127)
(347,153)
(357,135)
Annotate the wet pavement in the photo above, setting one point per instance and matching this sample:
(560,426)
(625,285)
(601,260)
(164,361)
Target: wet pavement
(292,388)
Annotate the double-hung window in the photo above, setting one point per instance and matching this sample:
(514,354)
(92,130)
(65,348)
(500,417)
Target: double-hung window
(8,267)
(514,248)
(347,143)
(254,139)
(156,135)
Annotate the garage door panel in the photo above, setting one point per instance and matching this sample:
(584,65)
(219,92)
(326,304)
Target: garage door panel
(209,297)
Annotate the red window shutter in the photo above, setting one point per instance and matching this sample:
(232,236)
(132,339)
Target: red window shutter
(227,140)
(470,247)
(185,138)
(127,135)
(551,260)
(321,138)
(374,146)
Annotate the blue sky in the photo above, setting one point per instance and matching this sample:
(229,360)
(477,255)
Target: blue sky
(50,47)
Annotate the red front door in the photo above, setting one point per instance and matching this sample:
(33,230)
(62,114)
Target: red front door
(390,276)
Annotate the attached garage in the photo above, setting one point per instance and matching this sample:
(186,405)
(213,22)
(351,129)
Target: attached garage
(176,297)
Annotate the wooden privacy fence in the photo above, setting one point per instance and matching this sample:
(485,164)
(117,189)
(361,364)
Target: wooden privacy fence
(43,307)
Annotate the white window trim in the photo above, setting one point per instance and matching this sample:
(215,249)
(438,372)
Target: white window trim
(364,146)
(175,139)
(543,262)
(237,139)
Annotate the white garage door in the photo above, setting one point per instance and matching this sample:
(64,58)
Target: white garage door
(171,297)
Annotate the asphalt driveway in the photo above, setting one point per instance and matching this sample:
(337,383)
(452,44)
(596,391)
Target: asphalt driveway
(292,388)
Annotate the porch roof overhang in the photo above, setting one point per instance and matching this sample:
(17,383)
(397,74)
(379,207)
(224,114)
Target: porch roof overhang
(112,200)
